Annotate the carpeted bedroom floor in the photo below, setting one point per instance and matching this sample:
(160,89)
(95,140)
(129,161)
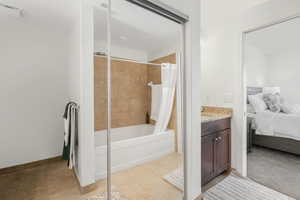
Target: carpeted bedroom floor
(277,170)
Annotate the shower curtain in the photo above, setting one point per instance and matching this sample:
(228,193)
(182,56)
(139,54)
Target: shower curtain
(168,78)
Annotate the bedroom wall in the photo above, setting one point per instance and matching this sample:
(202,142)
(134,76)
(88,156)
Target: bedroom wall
(279,69)
(284,72)
(34,90)
(256,66)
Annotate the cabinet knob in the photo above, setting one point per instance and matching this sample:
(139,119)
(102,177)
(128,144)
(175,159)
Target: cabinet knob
(218,138)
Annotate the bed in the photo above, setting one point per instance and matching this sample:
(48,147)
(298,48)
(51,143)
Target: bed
(277,131)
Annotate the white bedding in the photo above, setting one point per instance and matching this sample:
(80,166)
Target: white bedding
(278,124)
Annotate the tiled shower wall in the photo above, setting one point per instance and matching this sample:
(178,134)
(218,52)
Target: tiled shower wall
(131,96)
(129,93)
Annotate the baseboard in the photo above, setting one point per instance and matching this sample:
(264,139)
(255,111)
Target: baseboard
(13,169)
(84,189)
(17,168)
(134,163)
(88,188)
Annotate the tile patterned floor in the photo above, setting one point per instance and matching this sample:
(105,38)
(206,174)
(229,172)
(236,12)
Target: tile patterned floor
(55,182)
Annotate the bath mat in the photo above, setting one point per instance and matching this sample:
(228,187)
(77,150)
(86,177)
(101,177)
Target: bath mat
(235,187)
(176,178)
(232,187)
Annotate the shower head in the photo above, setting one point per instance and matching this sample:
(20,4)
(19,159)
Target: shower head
(21,11)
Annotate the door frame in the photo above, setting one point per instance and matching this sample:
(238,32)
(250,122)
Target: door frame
(243,148)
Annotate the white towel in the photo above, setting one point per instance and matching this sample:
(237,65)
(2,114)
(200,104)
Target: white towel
(155,101)
(71,133)
(66,124)
(72,140)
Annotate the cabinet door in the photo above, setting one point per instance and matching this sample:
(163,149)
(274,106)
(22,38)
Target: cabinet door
(207,157)
(222,152)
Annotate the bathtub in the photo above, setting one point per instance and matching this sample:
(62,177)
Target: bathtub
(131,146)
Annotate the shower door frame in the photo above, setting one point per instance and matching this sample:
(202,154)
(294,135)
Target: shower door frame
(160,9)
(190,99)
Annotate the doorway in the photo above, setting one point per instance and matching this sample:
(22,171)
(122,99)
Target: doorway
(271,105)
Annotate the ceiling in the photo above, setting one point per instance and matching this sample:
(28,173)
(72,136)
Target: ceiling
(136,28)
(132,27)
(59,13)
(277,38)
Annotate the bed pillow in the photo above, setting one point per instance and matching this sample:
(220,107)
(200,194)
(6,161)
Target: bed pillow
(250,109)
(273,102)
(290,109)
(257,102)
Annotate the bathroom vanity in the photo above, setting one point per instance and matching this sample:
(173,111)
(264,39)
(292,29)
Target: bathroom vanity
(216,146)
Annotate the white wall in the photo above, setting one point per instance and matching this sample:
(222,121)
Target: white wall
(121,52)
(256,66)
(283,71)
(221,34)
(74,63)
(135,54)
(74,76)
(167,50)
(279,69)
(34,90)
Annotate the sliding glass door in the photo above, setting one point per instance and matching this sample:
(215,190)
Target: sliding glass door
(138,97)
(101,95)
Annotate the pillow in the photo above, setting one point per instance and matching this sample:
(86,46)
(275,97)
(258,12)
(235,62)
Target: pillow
(250,109)
(273,102)
(257,102)
(290,109)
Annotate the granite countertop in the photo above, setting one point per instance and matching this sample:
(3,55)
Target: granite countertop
(209,114)
(208,117)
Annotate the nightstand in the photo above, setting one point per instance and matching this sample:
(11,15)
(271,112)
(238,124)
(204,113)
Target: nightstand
(250,131)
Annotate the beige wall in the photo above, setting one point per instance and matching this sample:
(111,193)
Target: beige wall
(129,93)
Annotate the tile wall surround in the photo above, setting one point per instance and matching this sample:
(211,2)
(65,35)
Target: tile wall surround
(131,96)
(129,93)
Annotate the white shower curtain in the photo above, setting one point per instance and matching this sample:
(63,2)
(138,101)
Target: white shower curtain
(168,78)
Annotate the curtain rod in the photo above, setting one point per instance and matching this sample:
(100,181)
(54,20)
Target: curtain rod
(127,60)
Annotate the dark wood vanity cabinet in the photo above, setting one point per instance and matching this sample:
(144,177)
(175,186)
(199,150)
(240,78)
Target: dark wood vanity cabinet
(216,149)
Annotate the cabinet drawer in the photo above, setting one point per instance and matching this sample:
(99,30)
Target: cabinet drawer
(215,126)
